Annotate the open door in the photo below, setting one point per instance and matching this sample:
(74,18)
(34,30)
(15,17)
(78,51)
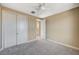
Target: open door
(43,28)
(38,29)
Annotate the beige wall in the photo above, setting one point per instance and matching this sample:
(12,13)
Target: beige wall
(64,27)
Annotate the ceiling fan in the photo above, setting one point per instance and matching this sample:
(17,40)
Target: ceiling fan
(39,8)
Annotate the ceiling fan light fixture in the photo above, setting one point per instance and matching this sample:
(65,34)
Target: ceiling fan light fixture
(43,8)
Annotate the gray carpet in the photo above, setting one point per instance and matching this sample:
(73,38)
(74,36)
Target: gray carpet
(39,47)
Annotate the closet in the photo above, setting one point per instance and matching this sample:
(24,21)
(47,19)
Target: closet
(14,28)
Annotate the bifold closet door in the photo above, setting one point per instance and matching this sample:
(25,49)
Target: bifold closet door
(22,28)
(8,28)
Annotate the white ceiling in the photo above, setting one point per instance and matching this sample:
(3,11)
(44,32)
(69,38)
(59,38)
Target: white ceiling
(50,8)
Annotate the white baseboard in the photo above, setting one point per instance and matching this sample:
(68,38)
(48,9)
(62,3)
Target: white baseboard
(66,45)
(21,43)
(31,40)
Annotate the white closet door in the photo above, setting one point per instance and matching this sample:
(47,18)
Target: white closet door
(8,28)
(22,29)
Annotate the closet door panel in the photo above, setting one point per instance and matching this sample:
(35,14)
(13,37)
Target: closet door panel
(22,29)
(8,28)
